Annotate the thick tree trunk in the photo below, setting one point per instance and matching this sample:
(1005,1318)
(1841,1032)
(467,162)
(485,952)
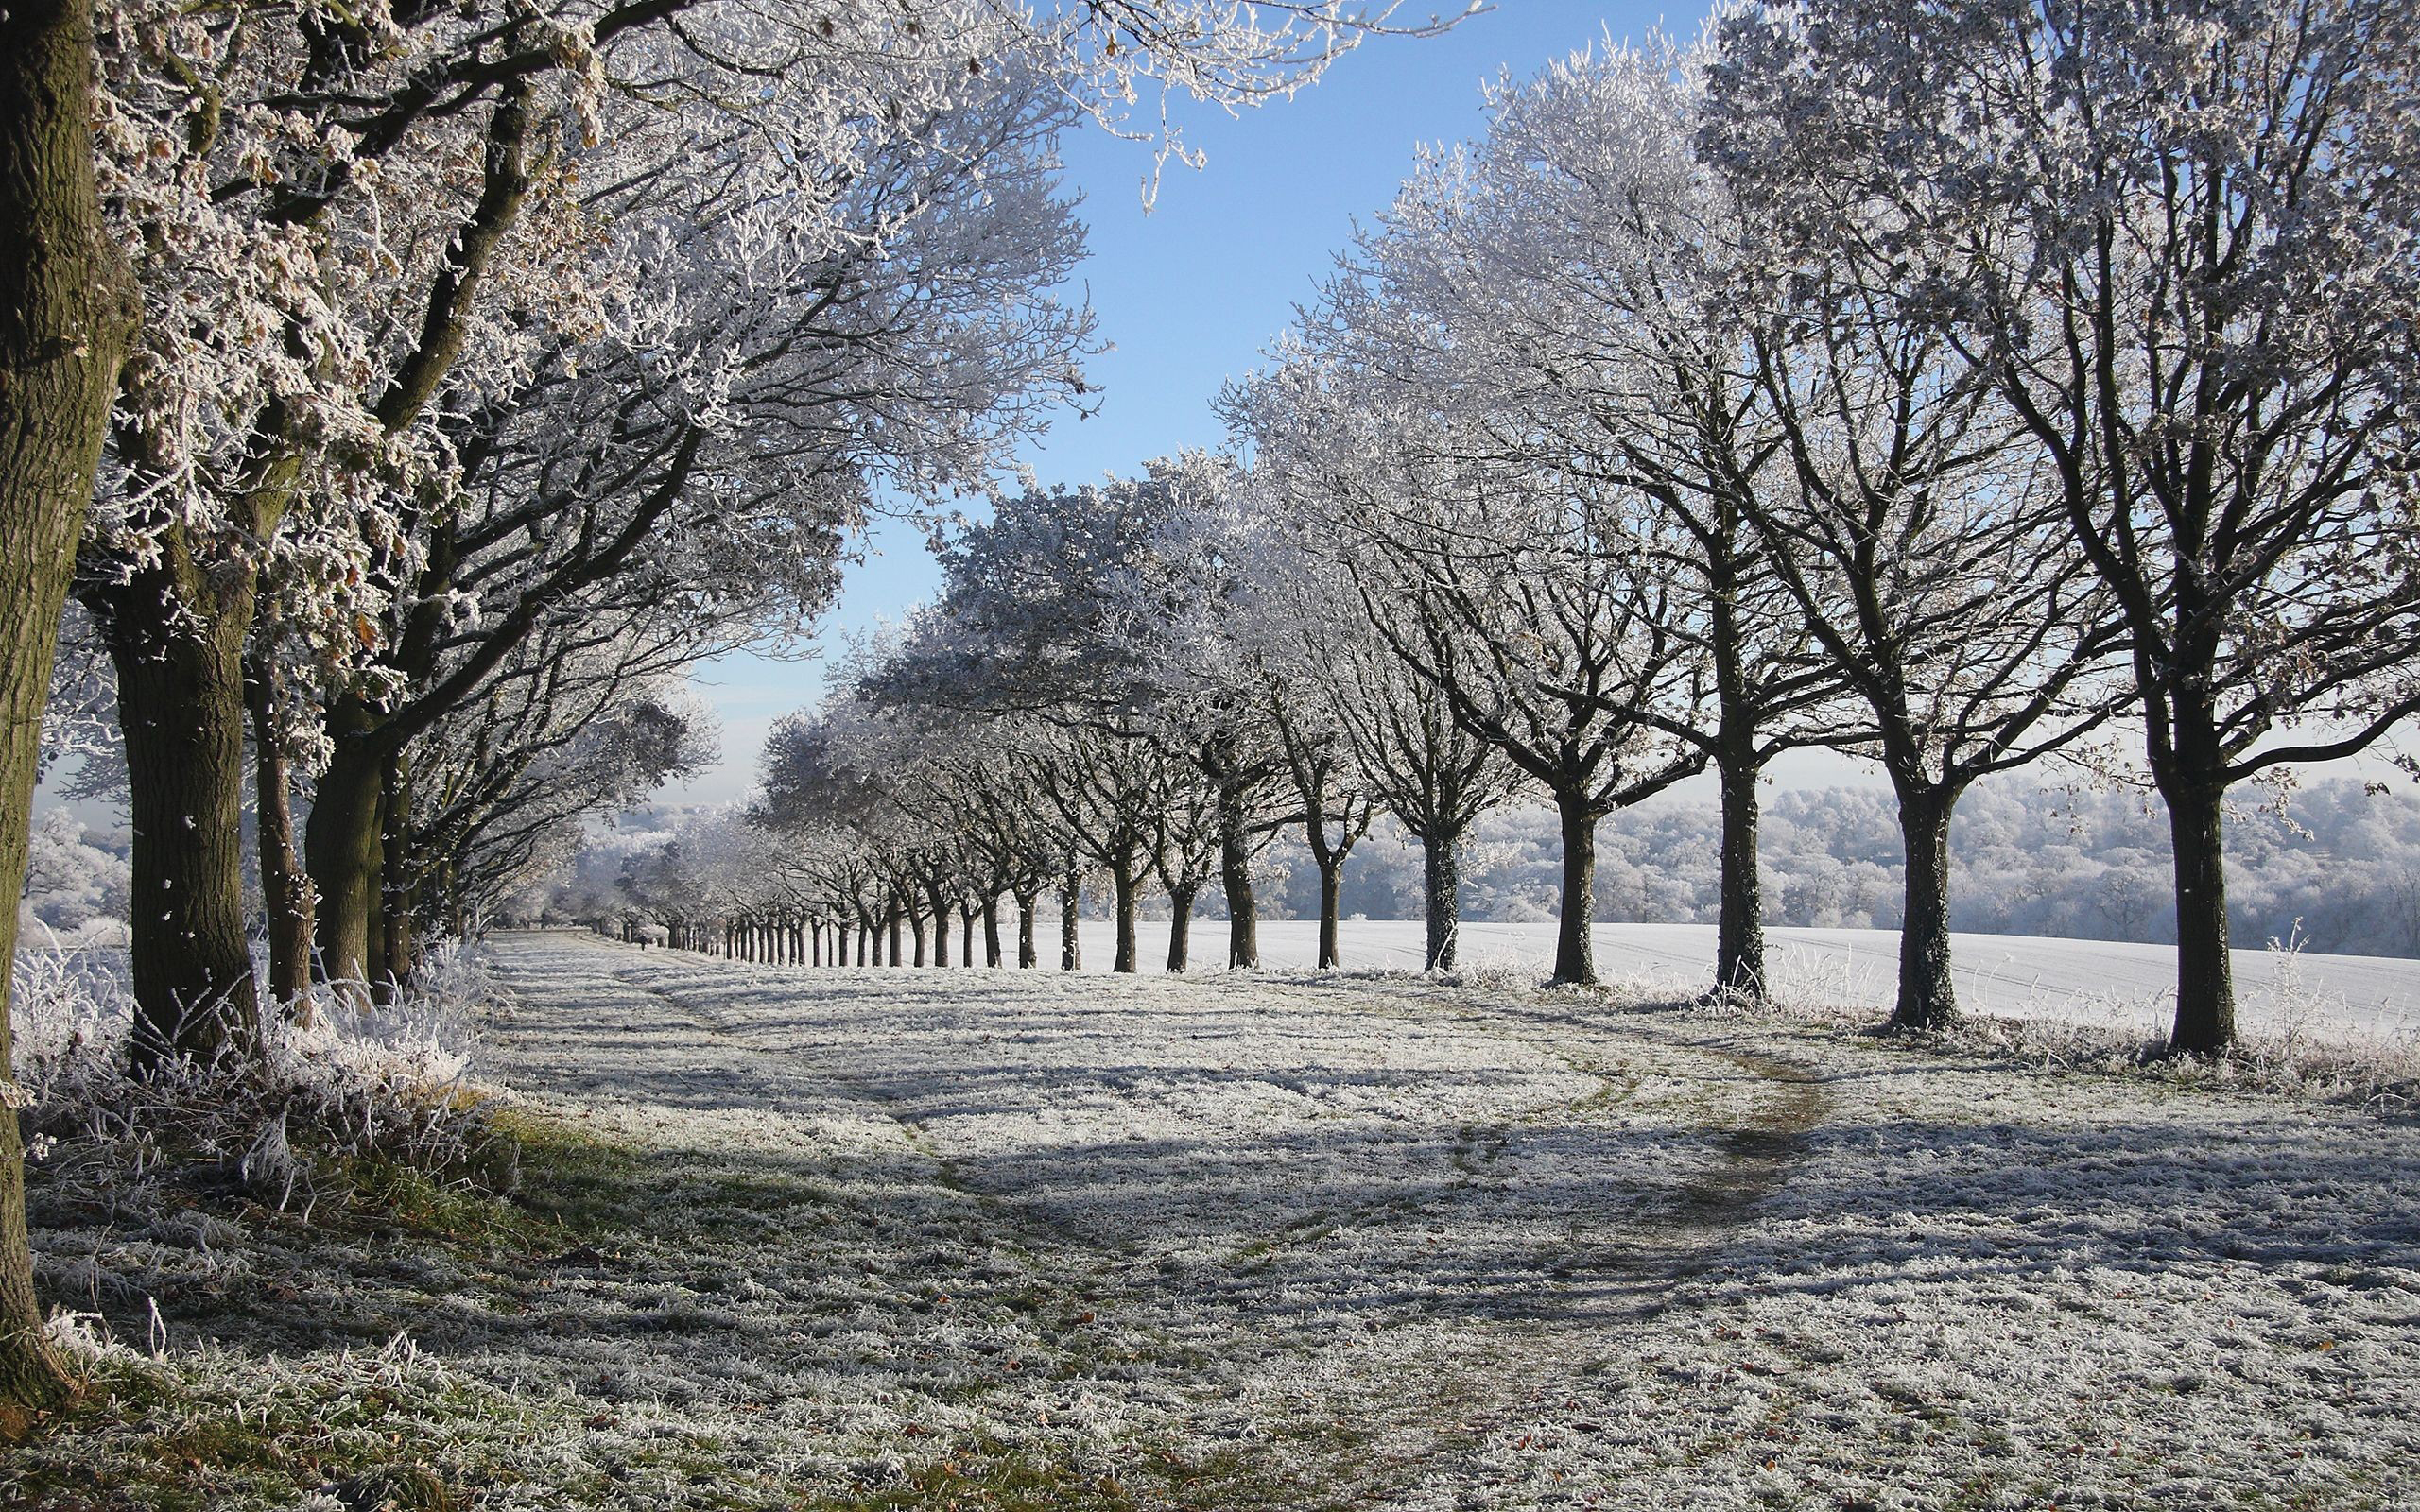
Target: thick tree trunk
(1927,999)
(898,928)
(966,936)
(285,889)
(916,926)
(1235,879)
(992,952)
(1331,889)
(67,314)
(2204,962)
(1125,887)
(1071,942)
(180,706)
(1179,927)
(341,847)
(1028,956)
(1739,938)
(1441,881)
(1575,948)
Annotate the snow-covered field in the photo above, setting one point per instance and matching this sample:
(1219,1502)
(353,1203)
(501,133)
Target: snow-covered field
(2098,982)
(888,1238)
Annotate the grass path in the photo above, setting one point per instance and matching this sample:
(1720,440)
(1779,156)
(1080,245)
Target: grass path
(890,1239)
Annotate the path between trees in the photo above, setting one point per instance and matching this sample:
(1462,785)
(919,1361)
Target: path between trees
(1377,1243)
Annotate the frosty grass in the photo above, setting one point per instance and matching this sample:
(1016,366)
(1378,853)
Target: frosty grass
(882,1238)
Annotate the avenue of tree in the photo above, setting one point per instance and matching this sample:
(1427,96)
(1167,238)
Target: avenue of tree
(405,397)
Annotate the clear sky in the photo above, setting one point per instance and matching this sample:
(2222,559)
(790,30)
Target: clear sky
(1191,291)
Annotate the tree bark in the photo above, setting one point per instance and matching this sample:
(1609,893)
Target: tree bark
(940,928)
(916,927)
(1739,938)
(1441,880)
(1331,890)
(1927,998)
(68,313)
(398,892)
(286,888)
(1071,943)
(1179,927)
(1235,879)
(181,703)
(966,937)
(1028,956)
(1125,886)
(2205,961)
(1575,950)
(341,847)
(993,955)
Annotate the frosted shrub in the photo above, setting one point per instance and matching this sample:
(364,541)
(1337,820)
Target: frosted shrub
(381,1086)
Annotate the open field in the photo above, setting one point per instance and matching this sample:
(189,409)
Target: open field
(869,1239)
(2100,982)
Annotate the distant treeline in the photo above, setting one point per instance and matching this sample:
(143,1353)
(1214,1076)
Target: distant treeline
(2026,861)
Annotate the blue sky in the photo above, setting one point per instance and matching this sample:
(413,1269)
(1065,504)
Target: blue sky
(1191,291)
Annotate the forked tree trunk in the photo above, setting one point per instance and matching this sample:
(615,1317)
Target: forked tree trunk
(1331,891)
(1927,998)
(1575,951)
(286,888)
(180,702)
(1442,881)
(1739,938)
(2205,964)
(68,312)
(1181,901)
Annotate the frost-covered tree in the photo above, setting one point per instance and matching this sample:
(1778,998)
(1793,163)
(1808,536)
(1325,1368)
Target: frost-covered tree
(1523,589)
(2177,242)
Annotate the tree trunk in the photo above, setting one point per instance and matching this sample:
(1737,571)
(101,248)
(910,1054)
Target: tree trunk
(916,926)
(67,314)
(1125,886)
(285,889)
(898,928)
(965,934)
(1331,889)
(2204,962)
(1927,999)
(1739,938)
(1575,948)
(940,928)
(399,889)
(181,708)
(1028,956)
(341,847)
(1180,926)
(993,953)
(1235,879)
(1071,944)
(1442,881)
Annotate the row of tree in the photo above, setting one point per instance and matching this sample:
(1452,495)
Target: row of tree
(1961,385)
(406,390)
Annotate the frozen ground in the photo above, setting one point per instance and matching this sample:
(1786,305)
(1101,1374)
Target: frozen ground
(2100,982)
(869,1238)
